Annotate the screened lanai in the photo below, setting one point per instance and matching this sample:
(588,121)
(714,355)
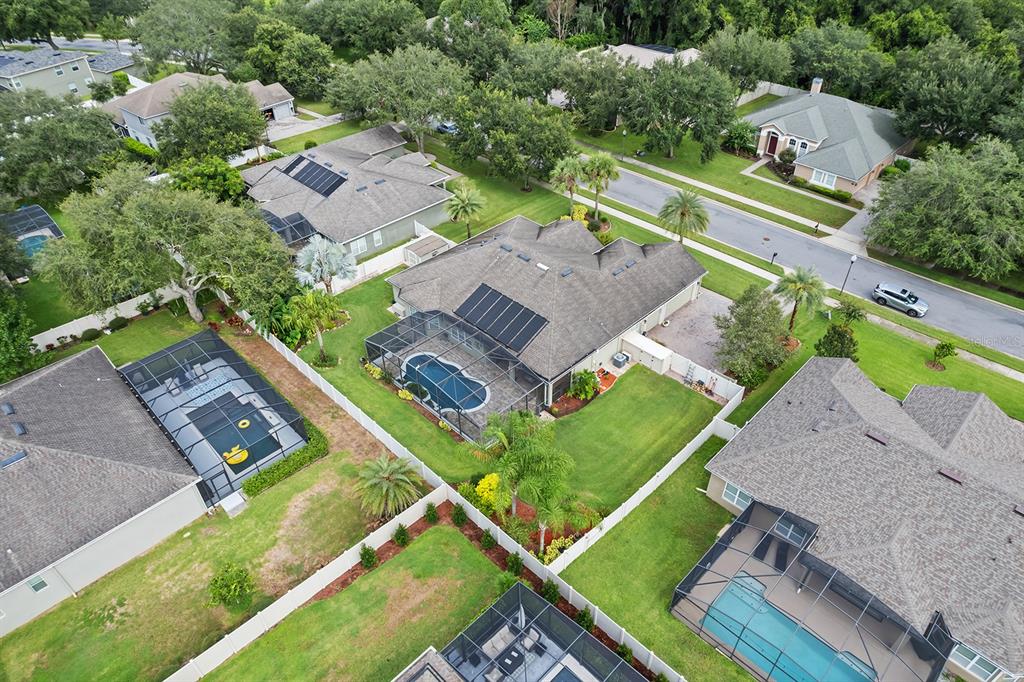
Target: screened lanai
(764,600)
(457,371)
(523,638)
(224,418)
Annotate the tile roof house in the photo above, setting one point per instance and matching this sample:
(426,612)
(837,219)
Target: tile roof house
(917,502)
(362,190)
(839,143)
(87,482)
(543,300)
(136,112)
(55,72)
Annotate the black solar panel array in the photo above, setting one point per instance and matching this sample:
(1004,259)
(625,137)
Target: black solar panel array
(292,229)
(29,219)
(511,324)
(318,178)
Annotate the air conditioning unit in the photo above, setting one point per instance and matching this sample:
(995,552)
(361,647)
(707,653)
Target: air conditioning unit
(620,359)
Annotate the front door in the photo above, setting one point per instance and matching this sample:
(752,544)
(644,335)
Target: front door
(773,143)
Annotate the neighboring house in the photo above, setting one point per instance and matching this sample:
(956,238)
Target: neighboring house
(136,113)
(501,321)
(891,532)
(87,482)
(55,72)
(524,638)
(364,191)
(106,64)
(840,144)
(645,56)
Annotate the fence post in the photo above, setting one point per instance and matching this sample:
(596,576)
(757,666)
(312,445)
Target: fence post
(650,658)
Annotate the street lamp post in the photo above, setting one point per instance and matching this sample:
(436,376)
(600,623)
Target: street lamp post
(853,259)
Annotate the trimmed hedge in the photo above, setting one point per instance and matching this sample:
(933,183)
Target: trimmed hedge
(314,449)
(140,150)
(117,323)
(837,194)
(91,334)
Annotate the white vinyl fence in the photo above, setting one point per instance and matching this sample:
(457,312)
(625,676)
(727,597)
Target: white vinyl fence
(378,265)
(766,88)
(719,385)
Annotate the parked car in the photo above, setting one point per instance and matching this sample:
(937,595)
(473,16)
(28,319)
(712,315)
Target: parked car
(899,298)
(446,127)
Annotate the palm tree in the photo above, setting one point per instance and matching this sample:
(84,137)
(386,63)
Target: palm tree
(598,171)
(387,486)
(321,260)
(558,508)
(684,214)
(312,313)
(465,203)
(566,175)
(801,286)
(525,452)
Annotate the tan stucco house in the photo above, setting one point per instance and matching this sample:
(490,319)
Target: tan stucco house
(840,144)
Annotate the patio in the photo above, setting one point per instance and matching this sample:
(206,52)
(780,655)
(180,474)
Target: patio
(759,597)
(691,332)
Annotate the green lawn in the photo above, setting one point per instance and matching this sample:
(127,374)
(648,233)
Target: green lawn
(504,199)
(318,106)
(148,617)
(755,105)
(632,571)
(722,171)
(379,624)
(626,435)
(297,143)
(45,304)
(142,336)
(894,363)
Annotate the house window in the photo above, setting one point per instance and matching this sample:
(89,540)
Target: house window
(358,246)
(378,238)
(792,143)
(802,149)
(822,178)
(736,496)
(37,584)
(75,67)
(788,530)
(58,70)
(17,85)
(974,663)
(73,88)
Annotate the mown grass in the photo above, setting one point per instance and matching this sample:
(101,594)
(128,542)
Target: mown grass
(379,624)
(755,105)
(317,106)
(143,336)
(296,143)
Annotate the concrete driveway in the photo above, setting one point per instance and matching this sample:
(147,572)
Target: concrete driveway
(293,125)
(691,330)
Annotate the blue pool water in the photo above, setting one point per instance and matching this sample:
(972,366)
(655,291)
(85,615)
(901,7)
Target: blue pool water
(767,631)
(434,375)
(31,245)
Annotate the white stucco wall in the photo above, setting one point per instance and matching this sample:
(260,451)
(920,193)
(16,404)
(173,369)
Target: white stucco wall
(20,603)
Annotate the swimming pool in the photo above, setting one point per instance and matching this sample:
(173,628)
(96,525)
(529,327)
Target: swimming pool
(447,384)
(741,617)
(32,244)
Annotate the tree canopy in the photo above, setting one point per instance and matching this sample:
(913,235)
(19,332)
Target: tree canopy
(369,25)
(210,120)
(43,19)
(842,56)
(186,31)
(597,86)
(748,57)
(750,346)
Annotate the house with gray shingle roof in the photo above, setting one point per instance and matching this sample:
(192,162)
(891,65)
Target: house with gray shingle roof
(533,304)
(839,143)
(55,72)
(875,523)
(87,482)
(105,64)
(363,190)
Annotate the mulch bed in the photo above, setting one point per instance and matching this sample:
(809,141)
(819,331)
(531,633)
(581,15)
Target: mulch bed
(937,366)
(566,405)
(498,556)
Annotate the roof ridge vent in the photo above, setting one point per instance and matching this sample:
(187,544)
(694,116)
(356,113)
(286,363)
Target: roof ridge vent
(1019,509)
(566,272)
(631,262)
(523,257)
(7,408)
(878,437)
(19,428)
(506,248)
(543,267)
(952,475)
(618,271)
(381,181)
(818,425)
(833,405)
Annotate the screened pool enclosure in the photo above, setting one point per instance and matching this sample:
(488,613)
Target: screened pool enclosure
(455,370)
(760,597)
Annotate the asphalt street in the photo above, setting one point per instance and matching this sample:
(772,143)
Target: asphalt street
(964,314)
(94,44)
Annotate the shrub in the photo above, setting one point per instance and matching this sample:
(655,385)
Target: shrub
(117,323)
(487,540)
(314,449)
(431,513)
(231,586)
(443,425)
(605,238)
(514,564)
(140,151)
(405,394)
(660,677)
(468,492)
(584,385)
(787,156)
(144,307)
(459,517)
(625,653)
(373,370)
(367,557)
(838,342)
(417,390)
(585,619)
(902,164)
(401,536)
(518,530)
(309,144)
(325,360)
(579,212)
(582,41)
(739,137)
(890,172)
(555,549)
(91,334)
(943,350)
(837,194)
(487,493)
(120,83)
(549,590)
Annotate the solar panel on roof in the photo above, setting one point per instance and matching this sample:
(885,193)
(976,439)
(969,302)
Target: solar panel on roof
(503,319)
(566,272)
(528,332)
(318,178)
(473,299)
(19,429)
(291,229)
(507,316)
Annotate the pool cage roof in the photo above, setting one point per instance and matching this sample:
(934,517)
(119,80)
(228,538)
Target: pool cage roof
(524,638)
(764,557)
(193,382)
(500,381)
(29,219)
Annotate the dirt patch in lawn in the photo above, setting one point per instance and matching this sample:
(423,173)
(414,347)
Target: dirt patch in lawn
(342,432)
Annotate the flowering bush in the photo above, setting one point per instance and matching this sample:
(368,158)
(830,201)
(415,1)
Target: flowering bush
(373,370)
(443,425)
(555,549)
(404,394)
(579,212)
(487,493)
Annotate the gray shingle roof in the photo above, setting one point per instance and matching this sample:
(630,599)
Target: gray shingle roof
(95,459)
(17,63)
(585,309)
(155,99)
(376,192)
(374,140)
(268,95)
(919,541)
(854,137)
(109,62)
